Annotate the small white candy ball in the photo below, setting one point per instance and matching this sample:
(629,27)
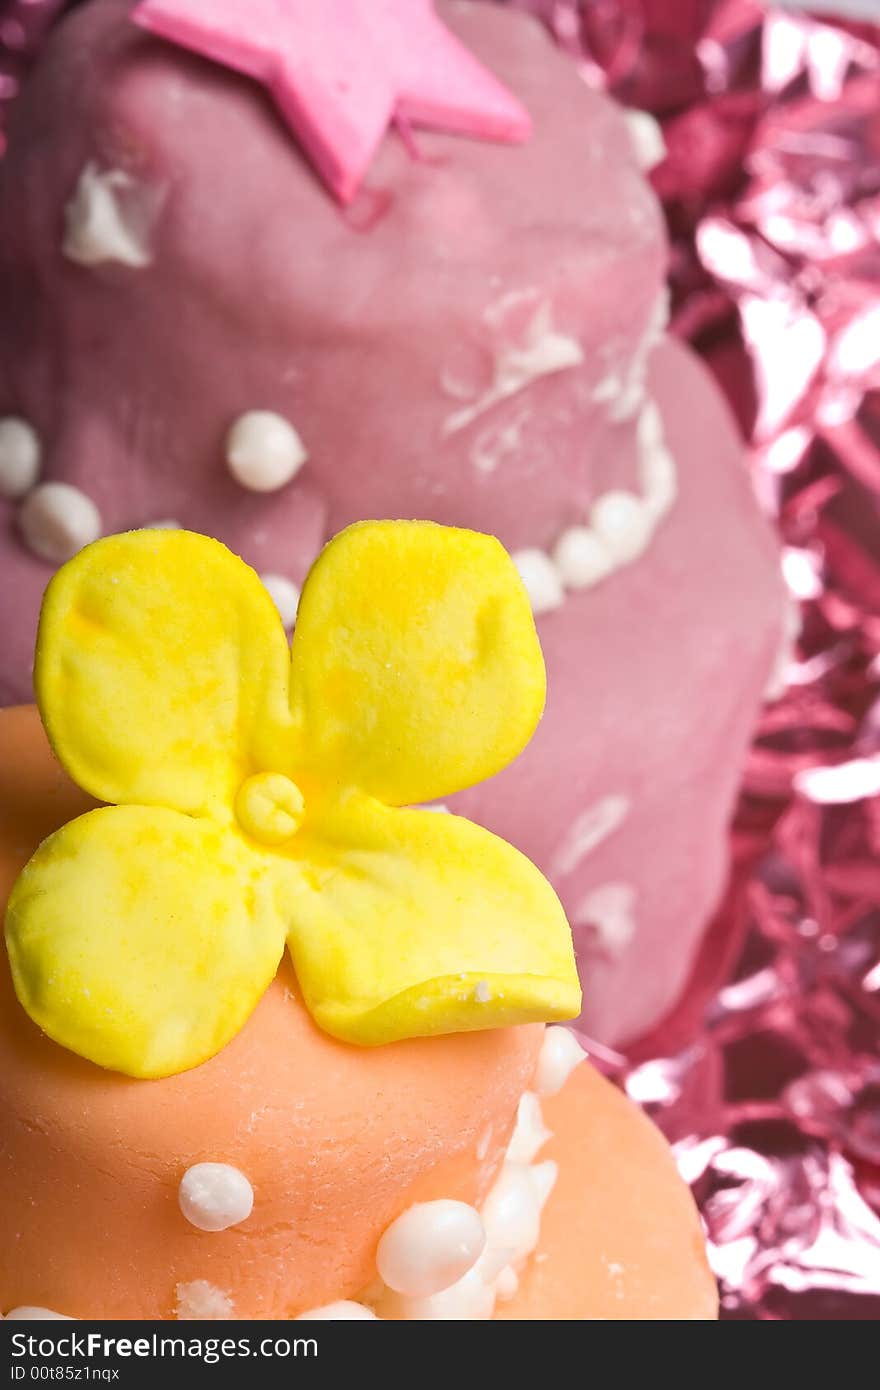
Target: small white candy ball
(19,457)
(539,575)
(507,1284)
(429,1247)
(512,1214)
(343,1311)
(581,559)
(215,1196)
(57,520)
(264,451)
(285,596)
(560,1054)
(28,1314)
(622,524)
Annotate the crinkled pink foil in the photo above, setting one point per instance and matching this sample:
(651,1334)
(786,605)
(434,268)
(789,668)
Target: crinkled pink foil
(767,1079)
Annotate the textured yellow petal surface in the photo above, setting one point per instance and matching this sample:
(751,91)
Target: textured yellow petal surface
(142,939)
(416,666)
(161,667)
(411,923)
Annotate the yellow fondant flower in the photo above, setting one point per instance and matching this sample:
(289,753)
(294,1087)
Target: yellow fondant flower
(257,802)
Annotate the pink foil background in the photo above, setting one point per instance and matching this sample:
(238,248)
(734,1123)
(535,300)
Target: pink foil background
(767,1078)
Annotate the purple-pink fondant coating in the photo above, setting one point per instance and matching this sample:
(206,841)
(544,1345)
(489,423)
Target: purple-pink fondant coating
(361,327)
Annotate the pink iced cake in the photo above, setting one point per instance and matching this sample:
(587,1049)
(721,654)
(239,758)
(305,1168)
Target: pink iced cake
(199,332)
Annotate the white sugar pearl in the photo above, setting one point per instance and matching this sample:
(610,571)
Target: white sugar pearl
(581,559)
(429,1247)
(28,1314)
(470,1299)
(538,573)
(215,1196)
(512,1215)
(343,1311)
(19,457)
(57,520)
(621,523)
(530,1133)
(264,451)
(507,1284)
(560,1054)
(285,596)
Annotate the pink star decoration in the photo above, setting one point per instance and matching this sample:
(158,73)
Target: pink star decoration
(341,70)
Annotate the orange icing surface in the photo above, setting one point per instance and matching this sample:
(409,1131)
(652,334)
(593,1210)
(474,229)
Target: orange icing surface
(335,1140)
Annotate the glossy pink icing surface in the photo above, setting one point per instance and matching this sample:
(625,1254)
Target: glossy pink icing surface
(374,331)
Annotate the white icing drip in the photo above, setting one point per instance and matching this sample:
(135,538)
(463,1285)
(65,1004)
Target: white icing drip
(285,596)
(542,1177)
(624,390)
(588,831)
(343,1311)
(646,138)
(109,218)
(20,456)
(430,1247)
(610,910)
(57,520)
(560,1054)
(512,1216)
(263,451)
(200,1300)
(543,352)
(215,1196)
(530,1134)
(498,443)
(511,1220)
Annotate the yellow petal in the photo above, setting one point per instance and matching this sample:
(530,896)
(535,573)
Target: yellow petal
(142,939)
(416,666)
(412,923)
(161,662)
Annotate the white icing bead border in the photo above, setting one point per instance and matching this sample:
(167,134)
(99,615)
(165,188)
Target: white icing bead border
(620,529)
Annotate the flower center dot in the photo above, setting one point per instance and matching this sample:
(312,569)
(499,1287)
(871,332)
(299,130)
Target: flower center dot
(269,807)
